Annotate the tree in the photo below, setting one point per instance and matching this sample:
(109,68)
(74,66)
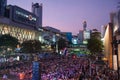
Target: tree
(95,45)
(61,43)
(8,42)
(31,46)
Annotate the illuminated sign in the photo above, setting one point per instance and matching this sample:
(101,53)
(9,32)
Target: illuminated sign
(74,41)
(30,17)
(78,45)
(24,17)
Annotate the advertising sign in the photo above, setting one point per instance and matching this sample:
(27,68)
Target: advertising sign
(25,17)
(36,71)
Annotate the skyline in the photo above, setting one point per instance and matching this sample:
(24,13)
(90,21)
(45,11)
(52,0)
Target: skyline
(68,15)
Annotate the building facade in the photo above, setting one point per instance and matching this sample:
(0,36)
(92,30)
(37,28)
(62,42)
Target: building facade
(80,36)
(3,4)
(17,30)
(18,22)
(112,41)
(107,42)
(116,34)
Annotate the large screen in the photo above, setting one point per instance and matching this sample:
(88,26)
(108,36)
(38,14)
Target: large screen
(25,17)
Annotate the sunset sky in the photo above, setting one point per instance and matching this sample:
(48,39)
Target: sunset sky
(68,15)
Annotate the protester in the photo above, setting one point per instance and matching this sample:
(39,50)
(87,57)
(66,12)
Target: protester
(64,68)
(4,77)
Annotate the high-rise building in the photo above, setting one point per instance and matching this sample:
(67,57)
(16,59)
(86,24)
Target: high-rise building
(112,15)
(103,29)
(3,4)
(84,25)
(80,36)
(119,20)
(116,35)
(107,44)
(37,10)
(19,23)
(115,19)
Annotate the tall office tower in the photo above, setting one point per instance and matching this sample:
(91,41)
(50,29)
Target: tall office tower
(37,10)
(103,28)
(112,14)
(84,25)
(115,19)
(3,4)
(80,36)
(119,20)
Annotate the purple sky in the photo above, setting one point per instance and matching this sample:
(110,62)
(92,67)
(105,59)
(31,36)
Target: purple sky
(68,15)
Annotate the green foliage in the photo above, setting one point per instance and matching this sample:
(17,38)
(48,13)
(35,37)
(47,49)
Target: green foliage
(31,46)
(7,41)
(96,35)
(61,43)
(95,45)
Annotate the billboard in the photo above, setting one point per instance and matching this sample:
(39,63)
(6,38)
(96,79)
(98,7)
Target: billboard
(36,71)
(24,17)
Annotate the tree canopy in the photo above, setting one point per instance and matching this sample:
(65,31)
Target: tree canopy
(8,41)
(61,43)
(31,46)
(95,44)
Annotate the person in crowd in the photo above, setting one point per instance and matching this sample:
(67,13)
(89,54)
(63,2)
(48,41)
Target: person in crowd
(64,68)
(4,77)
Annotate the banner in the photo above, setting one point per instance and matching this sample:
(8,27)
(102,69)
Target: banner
(36,71)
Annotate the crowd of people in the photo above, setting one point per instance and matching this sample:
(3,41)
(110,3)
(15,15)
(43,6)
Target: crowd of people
(64,68)
(75,68)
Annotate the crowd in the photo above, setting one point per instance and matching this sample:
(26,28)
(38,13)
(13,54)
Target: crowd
(75,68)
(64,68)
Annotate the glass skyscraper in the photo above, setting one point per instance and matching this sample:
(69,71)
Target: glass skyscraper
(3,4)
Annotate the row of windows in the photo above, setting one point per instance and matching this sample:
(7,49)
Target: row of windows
(24,34)
(21,34)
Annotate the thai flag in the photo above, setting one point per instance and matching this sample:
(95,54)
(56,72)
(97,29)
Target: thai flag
(65,51)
